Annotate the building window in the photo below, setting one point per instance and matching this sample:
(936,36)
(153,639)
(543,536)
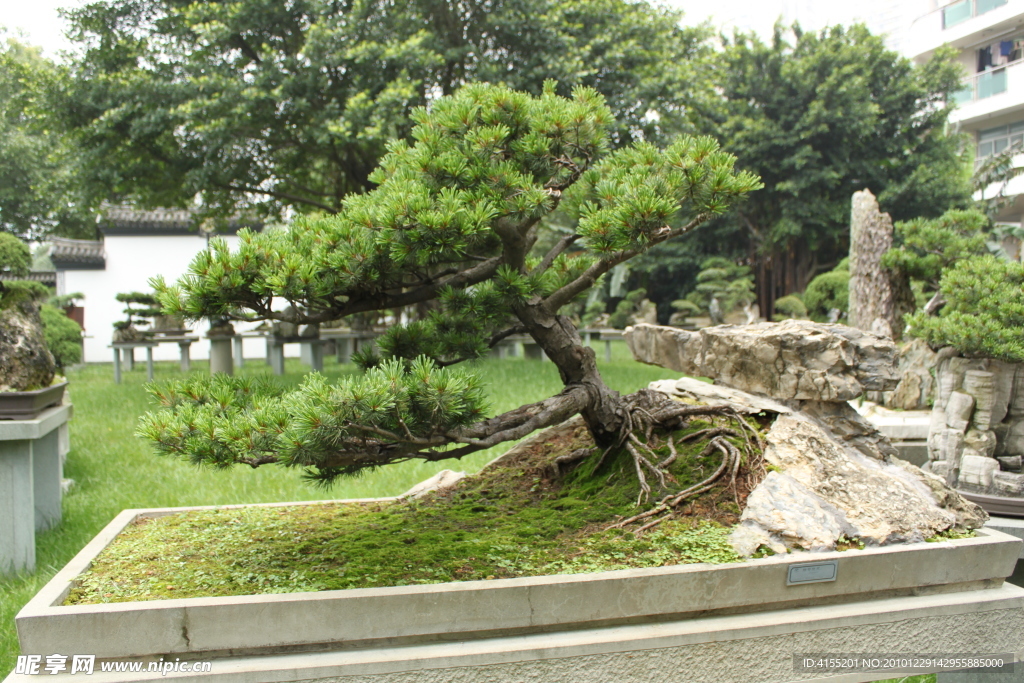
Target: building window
(997,140)
(959,12)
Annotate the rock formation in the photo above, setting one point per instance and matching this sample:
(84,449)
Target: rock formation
(878,298)
(976,438)
(791,360)
(832,473)
(25,360)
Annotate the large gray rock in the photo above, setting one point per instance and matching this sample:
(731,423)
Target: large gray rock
(958,411)
(832,474)
(715,395)
(917,385)
(25,360)
(821,488)
(791,360)
(977,470)
(851,428)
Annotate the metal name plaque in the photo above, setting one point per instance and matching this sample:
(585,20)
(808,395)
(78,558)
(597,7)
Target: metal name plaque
(812,572)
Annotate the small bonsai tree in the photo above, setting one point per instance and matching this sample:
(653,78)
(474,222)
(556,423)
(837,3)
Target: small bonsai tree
(983,314)
(789,306)
(453,220)
(722,287)
(627,308)
(140,310)
(927,248)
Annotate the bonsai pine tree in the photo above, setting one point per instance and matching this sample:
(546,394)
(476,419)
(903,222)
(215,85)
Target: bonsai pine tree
(929,247)
(140,310)
(983,310)
(452,221)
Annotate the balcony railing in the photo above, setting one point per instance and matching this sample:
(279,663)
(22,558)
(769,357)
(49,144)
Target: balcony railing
(983,85)
(959,12)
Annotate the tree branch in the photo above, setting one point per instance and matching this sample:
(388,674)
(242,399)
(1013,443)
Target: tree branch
(564,295)
(518,329)
(509,426)
(555,252)
(426,292)
(278,195)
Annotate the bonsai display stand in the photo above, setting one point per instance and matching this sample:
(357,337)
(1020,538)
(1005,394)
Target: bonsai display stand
(348,342)
(31,469)
(128,350)
(221,353)
(312,352)
(747,621)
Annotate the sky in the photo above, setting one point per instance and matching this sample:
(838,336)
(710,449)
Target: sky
(39,23)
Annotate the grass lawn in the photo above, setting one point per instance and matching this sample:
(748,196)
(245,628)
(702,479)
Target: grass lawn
(114,470)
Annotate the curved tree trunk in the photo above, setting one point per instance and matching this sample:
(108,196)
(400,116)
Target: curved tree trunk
(604,412)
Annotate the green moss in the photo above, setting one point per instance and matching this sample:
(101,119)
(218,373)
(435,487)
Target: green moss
(952,534)
(515,519)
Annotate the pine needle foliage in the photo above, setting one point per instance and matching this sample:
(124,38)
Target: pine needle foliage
(451,222)
(984,311)
(926,247)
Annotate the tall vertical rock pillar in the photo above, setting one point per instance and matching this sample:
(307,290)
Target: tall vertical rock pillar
(878,298)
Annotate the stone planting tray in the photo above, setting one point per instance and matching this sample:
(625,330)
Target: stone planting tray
(27,405)
(375,633)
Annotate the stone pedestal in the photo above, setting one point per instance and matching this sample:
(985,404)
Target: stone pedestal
(311,353)
(31,468)
(220,355)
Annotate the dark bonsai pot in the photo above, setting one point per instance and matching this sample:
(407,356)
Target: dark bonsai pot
(27,405)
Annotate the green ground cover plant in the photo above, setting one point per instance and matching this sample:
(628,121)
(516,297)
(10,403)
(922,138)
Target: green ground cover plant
(521,516)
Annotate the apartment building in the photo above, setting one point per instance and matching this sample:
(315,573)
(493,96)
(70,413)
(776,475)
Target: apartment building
(989,35)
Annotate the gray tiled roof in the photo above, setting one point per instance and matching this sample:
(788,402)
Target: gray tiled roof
(69,254)
(122,220)
(47,277)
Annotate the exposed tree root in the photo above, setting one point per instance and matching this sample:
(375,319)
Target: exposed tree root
(652,414)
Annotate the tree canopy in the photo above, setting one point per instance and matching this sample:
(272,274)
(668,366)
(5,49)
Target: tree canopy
(819,116)
(453,220)
(262,106)
(40,189)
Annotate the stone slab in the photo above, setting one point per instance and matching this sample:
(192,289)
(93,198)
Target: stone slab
(480,608)
(1010,526)
(31,470)
(914,452)
(739,647)
(793,360)
(48,420)
(898,425)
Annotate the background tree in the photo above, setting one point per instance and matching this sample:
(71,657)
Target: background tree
(41,191)
(821,116)
(15,256)
(453,219)
(262,106)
